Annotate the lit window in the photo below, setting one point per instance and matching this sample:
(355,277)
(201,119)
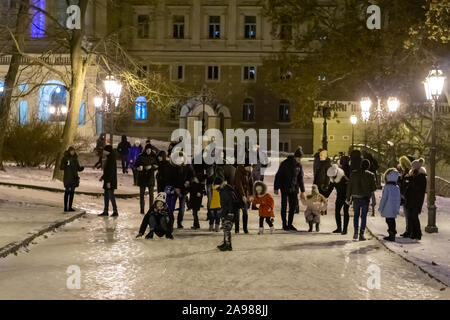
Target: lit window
(248,110)
(284,113)
(141,109)
(249,73)
(23,112)
(38,19)
(214,27)
(250,27)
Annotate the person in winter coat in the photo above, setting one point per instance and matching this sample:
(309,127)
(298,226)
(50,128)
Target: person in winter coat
(146,165)
(339,181)
(101,143)
(109,178)
(289,179)
(133,154)
(182,175)
(196,191)
(321,178)
(158,219)
(390,202)
(266,206)
(416,186)
(344,163)
(360,189)
(315,204)
(214,212)
(243,185)
(71,167)
(123,148)
(163,176)
(316,162)
(404,167)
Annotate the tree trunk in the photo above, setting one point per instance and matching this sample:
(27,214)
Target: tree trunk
(79,66)
(11,76)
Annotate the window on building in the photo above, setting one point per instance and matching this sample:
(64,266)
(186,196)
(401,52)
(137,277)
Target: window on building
(140,109)
(213,73)
(38,19)
(143,26)
(284,146)
(82,114)
(250,27)
(214,27)
(248,110)
(249,73)
(178,72)
(2,87)
(23,112)
(284,111)
(178,27)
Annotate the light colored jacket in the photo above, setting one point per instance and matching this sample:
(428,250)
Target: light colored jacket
(390,200)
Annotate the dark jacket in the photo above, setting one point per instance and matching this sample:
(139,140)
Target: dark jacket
(321,178)
(110,172)
(101,143)
(164,174)
(361,184)
(71,167)
(180,175)
(340,184)
(415,189)
(243,182)
(123,147)
(195,200)
(158,214)
(229,202)
(146,177)
(289,177)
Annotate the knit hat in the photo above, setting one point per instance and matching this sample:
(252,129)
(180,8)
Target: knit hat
(332,171)
(299,152)
(417,164)
(161,197)
(108,148)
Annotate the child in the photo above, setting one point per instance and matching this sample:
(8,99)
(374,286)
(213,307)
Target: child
(266,205)
(158,219)
(390,201)
(214,209)
(196,191)
(315,203)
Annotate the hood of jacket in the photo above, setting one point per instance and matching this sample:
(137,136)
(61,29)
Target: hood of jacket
(263,185)
(422,170)
(392,175)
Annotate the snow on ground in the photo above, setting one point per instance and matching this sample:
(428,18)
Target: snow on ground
(115,265)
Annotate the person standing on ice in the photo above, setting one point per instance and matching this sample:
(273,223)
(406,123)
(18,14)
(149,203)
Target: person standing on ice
(146,165)
(339,181)
(109,178)
(123,148)
(243,185)
(101,143)
(390,202)
(71,167)
(133,154)
(315,204)
(359,190)
(289,179)
(196,191)
(164,172)
(158,219)
(266,206)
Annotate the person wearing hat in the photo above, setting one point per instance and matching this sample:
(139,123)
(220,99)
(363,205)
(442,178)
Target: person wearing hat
(289,179)
(71,167)
(109,179)
(146,165)
(158,219)
(415,189)
(243,184)
(339,181)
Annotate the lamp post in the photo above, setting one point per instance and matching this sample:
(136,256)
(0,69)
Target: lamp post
(366,104)
(113,90)
(353,121)
(434,83)
(204,100)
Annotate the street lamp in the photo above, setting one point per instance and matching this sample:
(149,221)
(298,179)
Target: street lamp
(366,104)
(434,84)
(393,104)
(113,90)
(353,121)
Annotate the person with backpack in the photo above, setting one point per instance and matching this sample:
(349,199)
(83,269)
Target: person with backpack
(123,148)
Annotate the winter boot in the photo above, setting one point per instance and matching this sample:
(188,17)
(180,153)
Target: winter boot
(221,246)
(310,227)
(355,235)
(227,247)
(272,229)
(361,236)
(115,214)
(317,227)
(261,231)
(104,214)
(217,227)
(338,230)
(149,235)
(169,236)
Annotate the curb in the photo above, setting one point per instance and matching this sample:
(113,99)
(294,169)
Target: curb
(15,246)
(51,189)
(428,273)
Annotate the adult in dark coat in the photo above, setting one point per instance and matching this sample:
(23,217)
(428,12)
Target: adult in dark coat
(109,178)
(321,178)
(163,176)
(243,185)
(71,167)
(182,175)
(101,143)
(344,163)
(404,167)
(339,181)
(196,191)
(416,186)
(289,179)
(316,162)
(123,148)
(146,165)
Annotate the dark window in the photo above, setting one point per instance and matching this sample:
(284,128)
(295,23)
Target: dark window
(249,73)
(214,27)
(143,26)
(180,72)
(284,111)
(250,27)
(213,73)
(248,110)
(178,27)
(286,28)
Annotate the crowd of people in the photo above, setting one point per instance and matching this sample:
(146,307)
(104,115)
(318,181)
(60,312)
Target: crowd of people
(234,188)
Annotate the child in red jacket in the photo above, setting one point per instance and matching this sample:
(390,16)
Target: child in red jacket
(266,205)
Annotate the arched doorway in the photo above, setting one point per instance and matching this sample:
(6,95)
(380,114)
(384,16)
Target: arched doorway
(51,94)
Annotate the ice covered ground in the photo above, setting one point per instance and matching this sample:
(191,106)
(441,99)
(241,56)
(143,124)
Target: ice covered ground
(115,265)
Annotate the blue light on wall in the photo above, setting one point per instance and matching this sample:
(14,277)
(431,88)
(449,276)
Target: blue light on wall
(23,112)
(38,20)
(141,109)
(82,115)
(2,87)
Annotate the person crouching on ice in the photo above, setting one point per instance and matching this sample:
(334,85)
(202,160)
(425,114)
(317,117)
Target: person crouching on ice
(266,205)
(158,219)
(315,203)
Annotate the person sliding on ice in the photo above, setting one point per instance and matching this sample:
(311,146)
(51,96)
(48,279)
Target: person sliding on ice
(390,202)
(109,178)
(266,205)
(315,204)
(196,191)
(158,219)
(338,181)
(71,167)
